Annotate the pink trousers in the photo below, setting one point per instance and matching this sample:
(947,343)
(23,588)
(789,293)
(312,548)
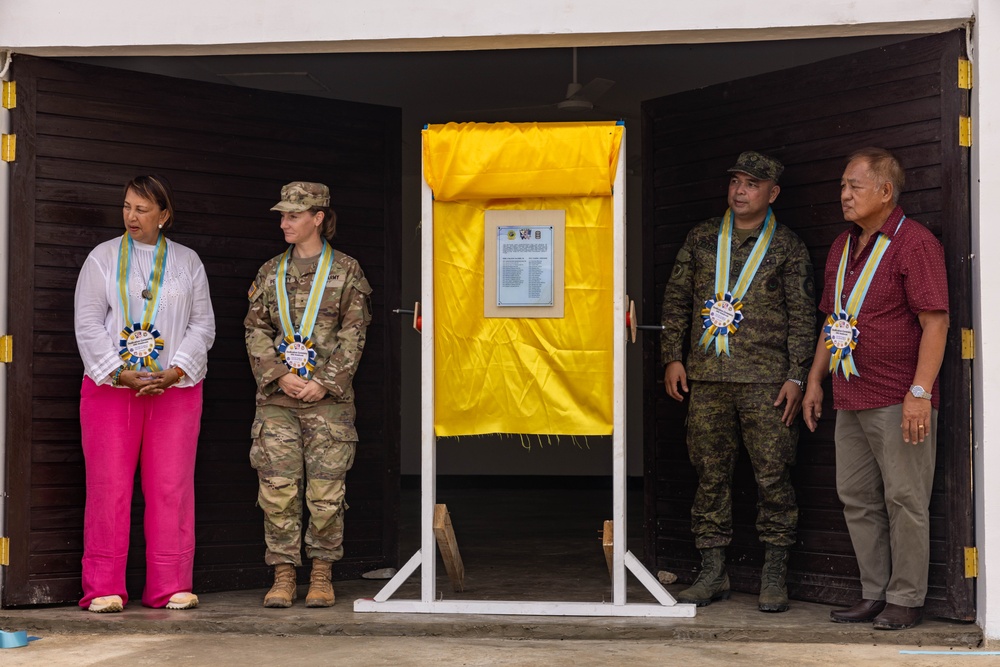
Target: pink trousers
(159,434)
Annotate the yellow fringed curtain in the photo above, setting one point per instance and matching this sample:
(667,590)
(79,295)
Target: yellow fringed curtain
(522,375)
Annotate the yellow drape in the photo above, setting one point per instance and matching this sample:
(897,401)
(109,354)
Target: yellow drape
(522,375)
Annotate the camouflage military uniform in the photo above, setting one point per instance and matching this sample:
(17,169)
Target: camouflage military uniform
(733,396)
(305,449)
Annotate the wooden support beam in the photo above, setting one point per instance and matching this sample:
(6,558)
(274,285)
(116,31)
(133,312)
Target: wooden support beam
(608,541)
(448,546)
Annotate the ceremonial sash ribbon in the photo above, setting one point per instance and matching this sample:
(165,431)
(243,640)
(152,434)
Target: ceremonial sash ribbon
(722,314)
(841,328)
(296,348)
(140,343)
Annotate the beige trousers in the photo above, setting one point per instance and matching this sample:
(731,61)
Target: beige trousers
(885,485)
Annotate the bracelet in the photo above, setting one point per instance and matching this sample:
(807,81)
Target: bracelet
(180,373)
(116,380)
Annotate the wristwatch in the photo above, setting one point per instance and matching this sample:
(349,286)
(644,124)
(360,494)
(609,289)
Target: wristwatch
(918,392)
(798,383)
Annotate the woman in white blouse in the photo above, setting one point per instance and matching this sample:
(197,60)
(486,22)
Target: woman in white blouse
(144,325)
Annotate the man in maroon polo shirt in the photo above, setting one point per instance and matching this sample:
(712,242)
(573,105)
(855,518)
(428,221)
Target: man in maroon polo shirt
(886,292)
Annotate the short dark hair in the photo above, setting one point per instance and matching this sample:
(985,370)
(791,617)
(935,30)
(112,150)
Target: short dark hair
(885,167)
(156,189)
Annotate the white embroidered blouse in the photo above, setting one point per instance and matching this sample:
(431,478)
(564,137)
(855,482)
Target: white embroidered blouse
(184,318)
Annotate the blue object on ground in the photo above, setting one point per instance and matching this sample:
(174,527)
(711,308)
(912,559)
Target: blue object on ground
(13,639)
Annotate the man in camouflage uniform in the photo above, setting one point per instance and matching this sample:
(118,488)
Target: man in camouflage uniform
(303,431)
(755,391)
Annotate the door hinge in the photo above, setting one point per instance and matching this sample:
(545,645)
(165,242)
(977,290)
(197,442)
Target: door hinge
(968,343)
(964,74)
(8,145)
(964,131)
(6,349)
(971,562)
(8,98)
(4,551)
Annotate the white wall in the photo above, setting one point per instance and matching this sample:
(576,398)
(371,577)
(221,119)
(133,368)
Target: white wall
(68,27)
(986,275)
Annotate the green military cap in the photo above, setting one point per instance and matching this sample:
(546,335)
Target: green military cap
(758,165)
(300,196)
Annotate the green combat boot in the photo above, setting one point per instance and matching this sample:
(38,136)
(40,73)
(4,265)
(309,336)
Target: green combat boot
(773,594)
(712,583)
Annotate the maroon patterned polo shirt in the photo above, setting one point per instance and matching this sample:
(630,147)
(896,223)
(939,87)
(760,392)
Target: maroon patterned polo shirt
(910,279)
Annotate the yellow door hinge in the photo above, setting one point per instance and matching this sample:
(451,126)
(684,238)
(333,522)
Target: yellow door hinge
(964,74)
(968,343)
(971,562)
(8,98)
(6,349)
(4,551)
(8,145)
(965,131)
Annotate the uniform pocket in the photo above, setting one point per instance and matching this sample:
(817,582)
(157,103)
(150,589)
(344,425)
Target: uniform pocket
(258,454)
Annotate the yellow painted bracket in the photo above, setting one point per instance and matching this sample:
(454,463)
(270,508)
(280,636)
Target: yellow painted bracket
(971,562)
(968,343)
(964,74)
(8,95)
(8,146)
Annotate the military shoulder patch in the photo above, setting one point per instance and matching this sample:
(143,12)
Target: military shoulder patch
(252,292)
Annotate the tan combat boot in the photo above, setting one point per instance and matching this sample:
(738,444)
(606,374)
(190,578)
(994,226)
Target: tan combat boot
(713,581)
(320,589)
(283,591)
(773,593)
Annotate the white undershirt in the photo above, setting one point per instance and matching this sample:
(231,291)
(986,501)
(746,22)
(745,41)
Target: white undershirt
(184,318)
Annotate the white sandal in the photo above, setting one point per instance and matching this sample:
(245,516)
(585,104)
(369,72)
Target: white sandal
(183,601)
(106,604)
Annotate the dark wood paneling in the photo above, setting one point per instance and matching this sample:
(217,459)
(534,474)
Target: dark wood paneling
(227,151)
(903,97)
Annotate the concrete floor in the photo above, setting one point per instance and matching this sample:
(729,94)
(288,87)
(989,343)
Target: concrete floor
(545,546)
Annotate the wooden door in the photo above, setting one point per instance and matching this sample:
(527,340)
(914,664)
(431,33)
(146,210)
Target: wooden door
(82,132)
(906,98)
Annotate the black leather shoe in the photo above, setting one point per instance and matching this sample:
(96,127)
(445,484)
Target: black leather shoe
(863,612)
(895,617)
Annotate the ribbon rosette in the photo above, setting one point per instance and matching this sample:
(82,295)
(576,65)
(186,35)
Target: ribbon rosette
(297,341)
(133,362)
(721,316)
(841,331)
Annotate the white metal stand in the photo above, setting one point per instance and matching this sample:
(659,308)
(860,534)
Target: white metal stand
(425,557)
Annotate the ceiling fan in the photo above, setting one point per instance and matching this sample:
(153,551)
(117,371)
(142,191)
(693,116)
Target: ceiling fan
(583,97)
(578,98)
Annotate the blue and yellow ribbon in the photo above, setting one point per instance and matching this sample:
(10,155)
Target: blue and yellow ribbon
(299,339)
(842,325)
(726,302)
(132,326)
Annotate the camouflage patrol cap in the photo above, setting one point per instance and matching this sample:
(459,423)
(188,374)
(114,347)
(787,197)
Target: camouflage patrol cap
(300,196)
(758,165)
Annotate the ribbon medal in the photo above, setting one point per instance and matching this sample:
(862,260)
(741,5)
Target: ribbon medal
(298,354)
(140,343)
(723,313)
(841,328)
(296,349)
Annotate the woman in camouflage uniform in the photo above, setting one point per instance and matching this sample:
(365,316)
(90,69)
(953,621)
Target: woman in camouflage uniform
(305,332)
